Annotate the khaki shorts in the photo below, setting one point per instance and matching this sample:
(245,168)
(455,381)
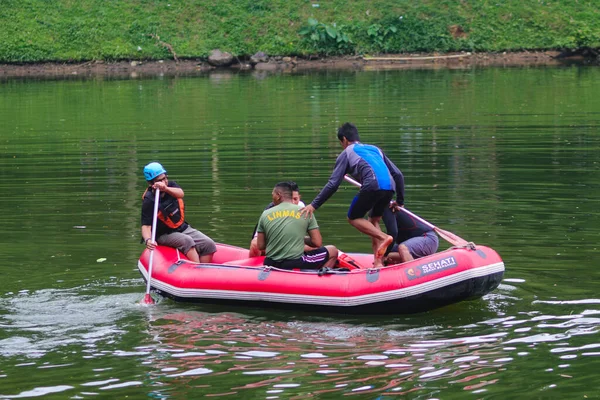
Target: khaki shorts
(184,241)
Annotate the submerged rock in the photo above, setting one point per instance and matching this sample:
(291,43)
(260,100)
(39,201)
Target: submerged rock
(266,67)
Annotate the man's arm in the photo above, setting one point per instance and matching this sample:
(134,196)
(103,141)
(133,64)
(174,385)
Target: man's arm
(146,232)
(270,205)
(261,241)
(173,190)
(398,179)
(315,238)
(146,223)
(336,178)
(147,236)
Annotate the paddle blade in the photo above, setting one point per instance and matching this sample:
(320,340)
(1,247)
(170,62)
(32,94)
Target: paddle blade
(147,299)
(451,237)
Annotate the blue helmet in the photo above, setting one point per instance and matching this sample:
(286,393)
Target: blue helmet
(153,170)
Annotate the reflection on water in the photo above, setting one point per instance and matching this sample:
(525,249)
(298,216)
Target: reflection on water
(186,352)
(48,319)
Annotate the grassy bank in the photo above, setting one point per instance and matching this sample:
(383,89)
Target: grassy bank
(79,30)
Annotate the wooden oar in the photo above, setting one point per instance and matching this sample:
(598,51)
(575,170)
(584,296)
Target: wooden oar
(448,236)
(147,298)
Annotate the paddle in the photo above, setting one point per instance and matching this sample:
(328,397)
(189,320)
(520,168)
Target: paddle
(448,236)
(147,298)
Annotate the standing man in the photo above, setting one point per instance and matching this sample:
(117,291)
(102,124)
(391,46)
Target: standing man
(171,228)
(413,239)
(379,177)
(282,230)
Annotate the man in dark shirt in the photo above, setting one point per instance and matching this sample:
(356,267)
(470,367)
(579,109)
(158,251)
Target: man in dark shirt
(171,228)
(413,239)
(379,177)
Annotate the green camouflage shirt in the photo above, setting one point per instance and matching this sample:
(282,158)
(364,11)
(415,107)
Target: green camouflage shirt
(284,230)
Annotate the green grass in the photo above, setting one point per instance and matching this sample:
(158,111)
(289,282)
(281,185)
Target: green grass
(80,30)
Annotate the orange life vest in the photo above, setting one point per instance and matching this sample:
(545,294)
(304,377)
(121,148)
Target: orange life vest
(172,214)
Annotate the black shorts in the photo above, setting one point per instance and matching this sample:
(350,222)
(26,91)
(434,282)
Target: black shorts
(376,201)
(313,259)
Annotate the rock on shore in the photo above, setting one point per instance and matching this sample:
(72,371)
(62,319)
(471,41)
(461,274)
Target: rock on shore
(218,58)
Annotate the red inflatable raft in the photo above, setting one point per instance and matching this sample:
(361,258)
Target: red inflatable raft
(444,278)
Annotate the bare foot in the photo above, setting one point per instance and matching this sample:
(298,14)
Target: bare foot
(378,263)
(383,247)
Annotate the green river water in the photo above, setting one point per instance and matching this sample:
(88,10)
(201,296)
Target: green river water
(508,158)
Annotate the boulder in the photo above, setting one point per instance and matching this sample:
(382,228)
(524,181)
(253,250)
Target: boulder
(259,57)
(218,58)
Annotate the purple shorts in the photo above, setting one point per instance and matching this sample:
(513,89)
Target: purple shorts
(420,246)
(313,259)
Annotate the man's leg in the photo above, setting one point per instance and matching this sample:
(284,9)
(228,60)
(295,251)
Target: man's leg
(413,248)
(382,246)
(324,256)
(207,258)
(192,254)
(366,226)
(380,241)
(205,247)
(404,253)
(374,241)
(184,243)
(333,255)
(382,203)
(362,203)
(401,256)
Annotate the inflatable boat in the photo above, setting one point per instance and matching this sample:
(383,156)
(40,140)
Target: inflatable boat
(450,276)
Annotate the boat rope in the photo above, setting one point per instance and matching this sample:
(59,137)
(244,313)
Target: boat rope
(469,246)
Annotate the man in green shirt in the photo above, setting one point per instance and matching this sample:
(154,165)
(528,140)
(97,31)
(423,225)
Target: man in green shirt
(282,230)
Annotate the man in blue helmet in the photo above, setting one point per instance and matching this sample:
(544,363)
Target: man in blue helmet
(171,228)
(380,179)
